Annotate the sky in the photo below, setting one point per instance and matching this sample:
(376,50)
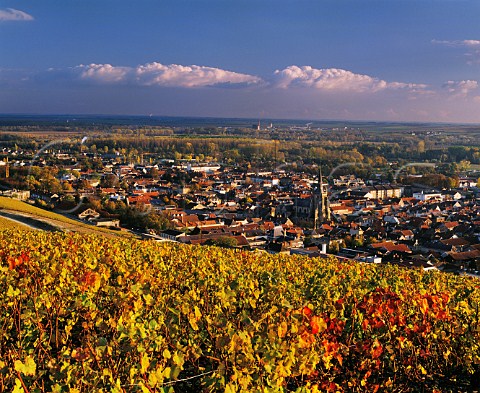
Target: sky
(384,60)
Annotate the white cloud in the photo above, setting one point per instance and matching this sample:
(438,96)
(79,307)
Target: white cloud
(103,72)
(334,79)
(467,43)
(157,74)
(10,14)
(472,47)
(471,43)
(193,76)
(461,88)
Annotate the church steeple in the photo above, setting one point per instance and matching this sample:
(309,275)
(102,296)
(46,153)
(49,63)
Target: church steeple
(322,203)
(7,168)
(325,207)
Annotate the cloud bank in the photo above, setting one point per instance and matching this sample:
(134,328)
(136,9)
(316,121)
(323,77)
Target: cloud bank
(295,91)
(472,48)
(157,74)
(334,79)
(104,73)
(180,90)
(461,43)
(193,76)
(10,14)
(461,88)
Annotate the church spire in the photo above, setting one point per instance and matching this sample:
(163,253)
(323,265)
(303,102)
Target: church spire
(322,203)
(7,168)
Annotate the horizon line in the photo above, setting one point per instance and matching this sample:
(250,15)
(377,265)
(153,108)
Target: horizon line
(151,116)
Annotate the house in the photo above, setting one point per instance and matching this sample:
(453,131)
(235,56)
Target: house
(457,244)
(452,195)
(107,222)
(172,235)
(139,199)
(342,209)
(464,258)
(381,191)
(391,219)
(88,214)
(390,247)
(448,226)
(242,241)
(405,234)
(426,196)
(16,194)
(467,183)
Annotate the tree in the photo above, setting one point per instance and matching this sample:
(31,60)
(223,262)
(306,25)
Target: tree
(231,155)
(421,147)
(110,206)
(120,206)
(224,241)
(51,185)
(452,182)
(95,203)
(97,164)
(333,248)
(154,173)
(109,180)
(464,165)
(155,221)
(348,241)
(82,184)
(32,183)
(66,186)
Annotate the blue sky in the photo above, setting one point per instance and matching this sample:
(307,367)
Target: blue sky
(343,59)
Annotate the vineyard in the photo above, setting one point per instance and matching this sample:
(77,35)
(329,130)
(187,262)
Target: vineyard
(81,313)
(5,223)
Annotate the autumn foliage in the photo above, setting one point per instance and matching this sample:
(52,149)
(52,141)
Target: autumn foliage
(89,314)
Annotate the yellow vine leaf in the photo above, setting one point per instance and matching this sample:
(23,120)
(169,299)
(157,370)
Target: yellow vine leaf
(28,367)
(282,329)
(18,387)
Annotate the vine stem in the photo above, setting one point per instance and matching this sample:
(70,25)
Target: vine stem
(177,380)
(22,382)
(187,379)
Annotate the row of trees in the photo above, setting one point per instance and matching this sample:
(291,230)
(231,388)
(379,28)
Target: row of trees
(267,148)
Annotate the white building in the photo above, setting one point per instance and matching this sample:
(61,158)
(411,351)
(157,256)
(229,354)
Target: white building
(426,196)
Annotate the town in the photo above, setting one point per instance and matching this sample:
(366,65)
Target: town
(240,196)
(285,209)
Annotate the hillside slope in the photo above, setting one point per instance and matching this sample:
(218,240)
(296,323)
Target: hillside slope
(47,220)
(81,313)
(6,223)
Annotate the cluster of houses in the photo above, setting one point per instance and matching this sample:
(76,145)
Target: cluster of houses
(275,212)
(295,213)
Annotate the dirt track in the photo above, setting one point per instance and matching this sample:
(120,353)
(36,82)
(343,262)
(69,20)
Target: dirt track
(50,224)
